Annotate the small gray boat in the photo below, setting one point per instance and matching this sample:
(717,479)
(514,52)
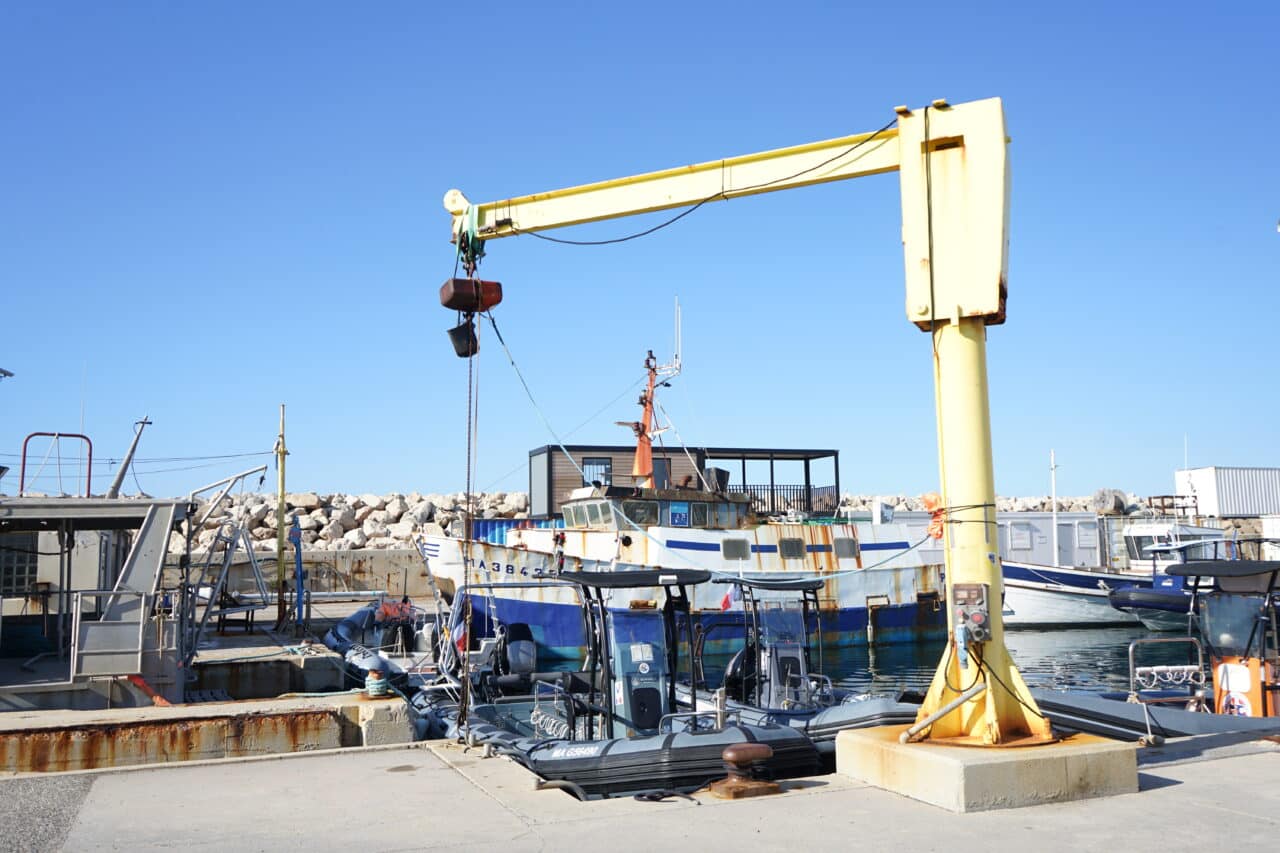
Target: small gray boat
(615,727)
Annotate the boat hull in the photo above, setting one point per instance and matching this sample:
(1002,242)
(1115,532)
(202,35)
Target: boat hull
(1157,609)
(865,607)
(1049,597)
(677,761)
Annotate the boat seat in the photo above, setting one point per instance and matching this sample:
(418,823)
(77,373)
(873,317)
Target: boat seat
(519,650)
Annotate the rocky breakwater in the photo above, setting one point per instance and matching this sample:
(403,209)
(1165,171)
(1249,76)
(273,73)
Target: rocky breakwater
(345,522)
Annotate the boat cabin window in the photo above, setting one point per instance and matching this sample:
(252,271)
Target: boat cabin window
(570,513)
(606,514)
(593,514)
(845,548)
(735,549)
(1138,544)
(725,519)
(641,512)
(1020,536)
(698,515)
(791,549)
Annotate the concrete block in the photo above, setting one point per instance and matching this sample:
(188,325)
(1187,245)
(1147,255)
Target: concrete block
(385,721)
(965,779)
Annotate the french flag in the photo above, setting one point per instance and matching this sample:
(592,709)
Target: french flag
(729,597)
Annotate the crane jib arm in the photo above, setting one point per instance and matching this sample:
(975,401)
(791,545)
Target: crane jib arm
(954,178)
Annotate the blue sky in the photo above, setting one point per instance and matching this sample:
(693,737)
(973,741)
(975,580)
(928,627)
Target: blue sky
(210,209)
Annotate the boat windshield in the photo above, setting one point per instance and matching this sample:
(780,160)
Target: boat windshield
(1228,621)
(782,622)
(638,642)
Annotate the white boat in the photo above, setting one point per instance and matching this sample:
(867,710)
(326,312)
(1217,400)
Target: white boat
(879,587)
(1040,596)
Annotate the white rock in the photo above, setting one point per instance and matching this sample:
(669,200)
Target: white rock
(344,516)
(363,513)
(257,512)
(402,530)
(381,516)
(374,501)
(307,523)
(374,528)
(423,512)
(302,500)
(395,508)
(332,530)
(354,538)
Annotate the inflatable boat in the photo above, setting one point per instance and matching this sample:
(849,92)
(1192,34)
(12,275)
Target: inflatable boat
(614,727)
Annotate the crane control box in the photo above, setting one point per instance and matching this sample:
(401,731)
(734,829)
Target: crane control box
(972,610)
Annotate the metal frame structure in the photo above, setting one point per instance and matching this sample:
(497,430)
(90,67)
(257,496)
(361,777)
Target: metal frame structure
(954,179)
(57,436)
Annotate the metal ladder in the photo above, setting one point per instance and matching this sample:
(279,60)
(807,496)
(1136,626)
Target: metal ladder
(213,574)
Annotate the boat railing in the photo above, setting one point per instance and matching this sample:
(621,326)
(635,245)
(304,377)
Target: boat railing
(690,719)
(820,691)
(1166,676)
(774,498)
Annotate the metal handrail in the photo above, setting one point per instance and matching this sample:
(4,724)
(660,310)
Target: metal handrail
(1171,676)
(694,715)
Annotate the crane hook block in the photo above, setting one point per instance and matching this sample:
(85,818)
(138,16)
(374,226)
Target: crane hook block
(470,295)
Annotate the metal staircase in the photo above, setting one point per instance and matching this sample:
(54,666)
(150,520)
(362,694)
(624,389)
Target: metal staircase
(113,643)
(210,583)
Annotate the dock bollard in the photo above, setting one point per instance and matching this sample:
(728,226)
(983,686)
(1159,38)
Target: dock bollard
(745,763)
(375,686)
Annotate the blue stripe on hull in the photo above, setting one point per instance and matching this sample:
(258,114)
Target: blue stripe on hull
(558,630)
(1044,574)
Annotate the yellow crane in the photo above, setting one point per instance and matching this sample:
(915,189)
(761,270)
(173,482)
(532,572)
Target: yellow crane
(953,170)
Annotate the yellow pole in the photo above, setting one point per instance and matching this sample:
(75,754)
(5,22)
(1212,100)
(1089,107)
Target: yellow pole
(1005,712)
(281,453)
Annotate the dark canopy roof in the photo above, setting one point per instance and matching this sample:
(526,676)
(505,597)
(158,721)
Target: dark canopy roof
(779,584)
(637,579)
(1224,568)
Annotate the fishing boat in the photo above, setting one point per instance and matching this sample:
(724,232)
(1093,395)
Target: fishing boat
(879,588)
(772,678)
(1042,596)
(614,727)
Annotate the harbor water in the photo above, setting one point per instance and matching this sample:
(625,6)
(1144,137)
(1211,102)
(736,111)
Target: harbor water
(1094,660)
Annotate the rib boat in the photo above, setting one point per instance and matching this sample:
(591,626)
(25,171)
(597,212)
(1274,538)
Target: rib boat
(614,727)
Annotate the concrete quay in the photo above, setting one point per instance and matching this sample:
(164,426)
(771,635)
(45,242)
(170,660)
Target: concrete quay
(437,796)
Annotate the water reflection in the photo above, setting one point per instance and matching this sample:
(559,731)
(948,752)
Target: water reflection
(1095,660)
